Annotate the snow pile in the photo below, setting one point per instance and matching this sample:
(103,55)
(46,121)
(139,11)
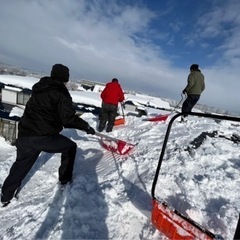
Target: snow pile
(110,196)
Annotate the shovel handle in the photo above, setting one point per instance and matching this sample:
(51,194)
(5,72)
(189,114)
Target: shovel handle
(122,110)
(106,137)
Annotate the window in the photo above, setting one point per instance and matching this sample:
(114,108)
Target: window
(8,130)
(22,98)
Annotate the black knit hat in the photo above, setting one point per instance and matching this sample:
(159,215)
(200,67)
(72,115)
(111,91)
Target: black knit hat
(60,72)
(114,80)
(194,67)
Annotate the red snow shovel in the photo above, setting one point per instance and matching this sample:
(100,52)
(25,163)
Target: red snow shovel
(174,225)
(158,118)
(161,118)
(115,145)
(120,121)
(168,220)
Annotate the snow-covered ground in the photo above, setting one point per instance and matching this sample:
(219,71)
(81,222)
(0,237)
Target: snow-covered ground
(110,196)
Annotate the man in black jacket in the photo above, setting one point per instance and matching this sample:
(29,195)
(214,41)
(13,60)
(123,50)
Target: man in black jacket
(47,112)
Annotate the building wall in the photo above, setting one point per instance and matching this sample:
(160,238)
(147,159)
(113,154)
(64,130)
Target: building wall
(8,130)
(8,125)
(9,96)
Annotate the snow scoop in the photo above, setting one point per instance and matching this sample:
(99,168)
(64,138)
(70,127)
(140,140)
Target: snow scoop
(168,220)
(115,145)
(174,225)
(120,121)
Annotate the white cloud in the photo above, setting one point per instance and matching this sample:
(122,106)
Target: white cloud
(99,40)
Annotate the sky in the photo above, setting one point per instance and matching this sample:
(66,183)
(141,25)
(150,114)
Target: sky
(110,196)
(148,45)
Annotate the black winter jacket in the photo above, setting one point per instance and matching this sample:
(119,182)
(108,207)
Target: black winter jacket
(48,110)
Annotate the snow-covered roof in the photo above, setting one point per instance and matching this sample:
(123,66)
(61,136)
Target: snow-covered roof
(13,88)
(87,97)
(19,81)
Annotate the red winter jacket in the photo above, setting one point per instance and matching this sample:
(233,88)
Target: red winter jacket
(112,93)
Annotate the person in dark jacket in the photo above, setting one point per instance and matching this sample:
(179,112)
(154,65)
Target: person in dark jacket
(47,112)
(195,87)
(111,96)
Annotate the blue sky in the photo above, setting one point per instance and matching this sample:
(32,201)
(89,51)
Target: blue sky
(147,45)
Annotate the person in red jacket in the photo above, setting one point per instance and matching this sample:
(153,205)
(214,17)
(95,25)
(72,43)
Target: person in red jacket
(111,96)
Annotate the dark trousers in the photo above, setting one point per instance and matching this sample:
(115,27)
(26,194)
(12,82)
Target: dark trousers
(108,115)
(28,150)
(190,102)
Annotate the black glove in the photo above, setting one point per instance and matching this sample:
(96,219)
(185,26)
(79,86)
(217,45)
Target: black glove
(184,91)
(90,130)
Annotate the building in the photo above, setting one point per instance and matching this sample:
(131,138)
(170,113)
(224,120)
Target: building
(11,97)
(89,85)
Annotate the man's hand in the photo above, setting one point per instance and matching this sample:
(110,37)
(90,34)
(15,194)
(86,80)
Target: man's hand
(90,130)
(184,91)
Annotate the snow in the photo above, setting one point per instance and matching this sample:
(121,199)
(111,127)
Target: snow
(86,97)
(147,100)
(19,81)
(16,111)
(110,196)
(12,89)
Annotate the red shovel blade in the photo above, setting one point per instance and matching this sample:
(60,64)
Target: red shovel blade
(158,118)
(115,145)
(120,147)
(123,147)
(176,226)
(119,121)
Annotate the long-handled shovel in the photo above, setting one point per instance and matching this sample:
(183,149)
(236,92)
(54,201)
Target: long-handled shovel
(120,121)
(160,118)
(114,145)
